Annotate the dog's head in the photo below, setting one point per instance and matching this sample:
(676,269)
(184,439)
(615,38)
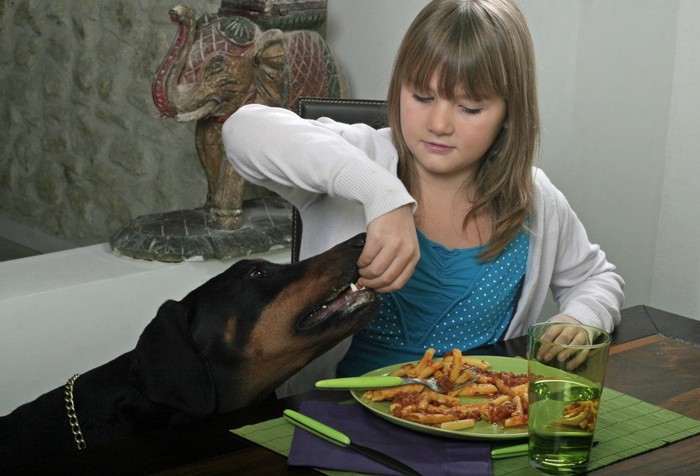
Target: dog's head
(250,328)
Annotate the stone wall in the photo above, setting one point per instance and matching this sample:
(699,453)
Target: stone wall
(82,149)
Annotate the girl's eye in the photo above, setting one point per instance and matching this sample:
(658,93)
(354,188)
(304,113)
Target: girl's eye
(421,99)
(470,110)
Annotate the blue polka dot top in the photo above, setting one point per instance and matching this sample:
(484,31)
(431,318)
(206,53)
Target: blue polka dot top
(471,306)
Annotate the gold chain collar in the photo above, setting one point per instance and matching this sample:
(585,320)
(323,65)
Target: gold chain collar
(72,416)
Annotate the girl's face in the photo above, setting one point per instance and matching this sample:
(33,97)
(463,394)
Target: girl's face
(448,138)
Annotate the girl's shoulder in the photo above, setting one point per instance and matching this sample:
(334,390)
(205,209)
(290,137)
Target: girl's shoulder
(540,179)
(548,199)
(543,185)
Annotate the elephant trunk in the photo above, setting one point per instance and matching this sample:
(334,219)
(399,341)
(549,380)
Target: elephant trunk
(201,112)
(163,86)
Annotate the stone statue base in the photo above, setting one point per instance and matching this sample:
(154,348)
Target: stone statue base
(189,235)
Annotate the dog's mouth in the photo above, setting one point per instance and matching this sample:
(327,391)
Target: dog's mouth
(344,302)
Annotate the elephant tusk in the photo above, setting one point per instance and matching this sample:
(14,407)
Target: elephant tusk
(198,113)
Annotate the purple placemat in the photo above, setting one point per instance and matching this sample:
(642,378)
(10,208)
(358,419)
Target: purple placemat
(425,453)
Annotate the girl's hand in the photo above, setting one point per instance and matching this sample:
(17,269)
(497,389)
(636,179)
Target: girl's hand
(391,251)
(564,335)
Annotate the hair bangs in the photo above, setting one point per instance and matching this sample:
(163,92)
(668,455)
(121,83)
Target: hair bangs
(466,59)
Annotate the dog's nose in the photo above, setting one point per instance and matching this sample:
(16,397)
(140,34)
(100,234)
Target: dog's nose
(358,241)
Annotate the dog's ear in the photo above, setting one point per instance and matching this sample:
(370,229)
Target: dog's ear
(167,368)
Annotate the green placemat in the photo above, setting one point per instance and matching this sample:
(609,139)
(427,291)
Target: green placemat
(626,427)
(276,435)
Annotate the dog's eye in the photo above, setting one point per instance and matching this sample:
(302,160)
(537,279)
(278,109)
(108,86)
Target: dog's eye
(256,273)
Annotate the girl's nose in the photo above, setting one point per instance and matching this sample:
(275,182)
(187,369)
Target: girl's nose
(440,121)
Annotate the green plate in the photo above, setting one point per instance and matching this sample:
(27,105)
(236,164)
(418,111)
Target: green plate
(483,430)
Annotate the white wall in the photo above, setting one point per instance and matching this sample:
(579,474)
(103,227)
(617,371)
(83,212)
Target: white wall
(618,86)
(676,279)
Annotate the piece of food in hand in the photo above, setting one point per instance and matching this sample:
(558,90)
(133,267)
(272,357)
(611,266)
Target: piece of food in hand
(354,287)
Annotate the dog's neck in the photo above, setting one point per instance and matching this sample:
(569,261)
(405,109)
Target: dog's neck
(98,392)
(73,420)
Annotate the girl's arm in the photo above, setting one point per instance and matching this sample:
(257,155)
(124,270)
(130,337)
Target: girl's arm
(584,283)
(301,159)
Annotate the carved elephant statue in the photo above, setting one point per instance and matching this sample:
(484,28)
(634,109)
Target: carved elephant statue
(220,62)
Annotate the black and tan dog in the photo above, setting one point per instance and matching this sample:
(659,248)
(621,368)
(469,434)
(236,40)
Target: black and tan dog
(227,344)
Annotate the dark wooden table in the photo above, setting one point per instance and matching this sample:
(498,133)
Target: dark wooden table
(655,357)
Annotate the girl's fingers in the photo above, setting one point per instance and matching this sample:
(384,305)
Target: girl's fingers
(391,251)
(551,335)
(563,335)
(387,272)
(578,359)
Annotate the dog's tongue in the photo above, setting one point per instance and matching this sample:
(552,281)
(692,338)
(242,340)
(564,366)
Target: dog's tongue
(341,303)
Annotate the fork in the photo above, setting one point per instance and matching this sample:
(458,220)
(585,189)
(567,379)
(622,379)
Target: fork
(386,381)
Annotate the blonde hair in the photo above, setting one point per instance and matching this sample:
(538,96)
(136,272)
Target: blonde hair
(479,49)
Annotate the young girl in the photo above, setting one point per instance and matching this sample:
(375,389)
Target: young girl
(450,181)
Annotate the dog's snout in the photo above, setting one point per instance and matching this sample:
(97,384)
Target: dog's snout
(358,241)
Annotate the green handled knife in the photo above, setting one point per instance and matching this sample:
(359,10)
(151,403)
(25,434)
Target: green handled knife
(359,383)
(509,451)
(515,450)
(327,433)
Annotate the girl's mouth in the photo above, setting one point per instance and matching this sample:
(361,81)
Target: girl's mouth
(437,147)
